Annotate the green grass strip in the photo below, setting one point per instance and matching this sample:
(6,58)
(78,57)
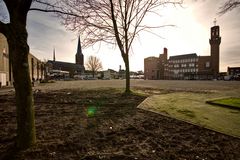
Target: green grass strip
(233,103)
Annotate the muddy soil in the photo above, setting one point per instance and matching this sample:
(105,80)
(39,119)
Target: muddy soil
(105,124)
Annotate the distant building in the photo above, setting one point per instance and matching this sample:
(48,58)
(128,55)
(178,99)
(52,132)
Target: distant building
(121,73)
(187,66)
(109,74)
(233,73)
(182,66)
(154,67)
(76,68)
(36,67)
(151,68)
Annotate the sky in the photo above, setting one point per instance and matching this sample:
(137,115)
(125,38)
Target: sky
(190,35)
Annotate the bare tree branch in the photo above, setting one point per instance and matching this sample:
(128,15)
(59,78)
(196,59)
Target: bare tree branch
(111,21)
(228,6)
(94,64)
(55,11)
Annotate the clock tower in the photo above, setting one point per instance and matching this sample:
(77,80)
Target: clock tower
(215,44)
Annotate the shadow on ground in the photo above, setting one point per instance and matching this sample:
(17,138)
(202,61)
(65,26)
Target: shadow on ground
(105,124)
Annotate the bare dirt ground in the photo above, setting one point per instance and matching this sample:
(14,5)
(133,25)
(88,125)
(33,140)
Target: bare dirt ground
(105,124)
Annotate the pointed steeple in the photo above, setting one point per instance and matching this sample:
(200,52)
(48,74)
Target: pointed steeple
(79,56)
(79,47)
(54,58)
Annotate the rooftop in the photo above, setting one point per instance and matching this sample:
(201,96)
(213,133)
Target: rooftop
(184,56)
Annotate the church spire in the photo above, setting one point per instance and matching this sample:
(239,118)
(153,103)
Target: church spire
(79,47)
(54,58)
(79,56)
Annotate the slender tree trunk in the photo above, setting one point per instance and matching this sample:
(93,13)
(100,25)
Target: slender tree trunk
(19,50)
(126,61)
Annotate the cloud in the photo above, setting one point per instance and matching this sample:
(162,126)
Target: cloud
(46,33)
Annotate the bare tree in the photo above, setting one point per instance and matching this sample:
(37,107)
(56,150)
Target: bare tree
(228,6)
(111,21)
(93,64)
(16,34)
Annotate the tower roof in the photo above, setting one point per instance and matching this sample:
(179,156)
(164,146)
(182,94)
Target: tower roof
(79,47)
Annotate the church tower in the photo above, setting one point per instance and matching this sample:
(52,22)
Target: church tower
(215,43)
(79,56)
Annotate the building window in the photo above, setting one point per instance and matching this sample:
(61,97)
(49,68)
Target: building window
(191,65)
(207,64)
(184,65)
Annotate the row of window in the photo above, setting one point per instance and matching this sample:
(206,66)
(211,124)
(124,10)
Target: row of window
(184,60)
(176,71)
(183,65)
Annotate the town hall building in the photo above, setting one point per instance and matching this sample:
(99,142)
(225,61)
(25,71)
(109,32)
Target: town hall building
(187,66)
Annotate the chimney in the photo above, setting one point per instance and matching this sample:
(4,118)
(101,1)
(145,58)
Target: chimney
(165,54)
(165,51)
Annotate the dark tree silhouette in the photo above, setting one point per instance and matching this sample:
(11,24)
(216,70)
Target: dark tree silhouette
(16,34)
(111,21)
(93,64)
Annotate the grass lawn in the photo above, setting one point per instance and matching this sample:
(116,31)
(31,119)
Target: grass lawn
(191,107)
(227,102)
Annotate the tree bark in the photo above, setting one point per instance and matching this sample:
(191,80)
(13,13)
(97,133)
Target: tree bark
(126,62)
(121,47)
(18,52)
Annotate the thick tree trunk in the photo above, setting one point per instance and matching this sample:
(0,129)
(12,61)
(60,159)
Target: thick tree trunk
(19,50)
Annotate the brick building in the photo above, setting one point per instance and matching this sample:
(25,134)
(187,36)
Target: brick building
(154,66)
(187,66)
(151,70)
(36,67)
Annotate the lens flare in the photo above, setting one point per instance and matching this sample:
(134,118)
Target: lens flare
(91,111)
